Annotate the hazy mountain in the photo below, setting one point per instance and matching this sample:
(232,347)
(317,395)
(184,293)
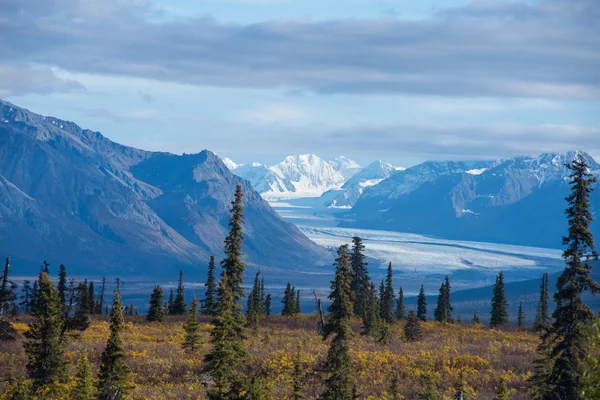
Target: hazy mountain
(72,196)
(518,200)
(345,166)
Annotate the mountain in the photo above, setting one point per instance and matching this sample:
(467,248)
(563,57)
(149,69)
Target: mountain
(517,200)
(296,176)
(371,175)
(345,166)
(72,196)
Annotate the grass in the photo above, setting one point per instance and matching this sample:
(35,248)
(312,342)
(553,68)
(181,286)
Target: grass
(163,370)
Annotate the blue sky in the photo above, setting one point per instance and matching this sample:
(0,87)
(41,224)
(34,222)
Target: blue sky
(256,80)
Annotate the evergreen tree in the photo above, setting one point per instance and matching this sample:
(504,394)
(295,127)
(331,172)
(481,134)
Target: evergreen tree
(289,300)
(400,308)
(192,337)
(170,302)
(8,295)
(100,299)
(84,381)
(46,364)
(339,382)
(412,328)
(156,310)
(26,297)
(91,298)
(443,310)
(542,318)
(388,301)
(114,374)
(62,285)
(297,376)
(297,305)
(394,390)
(268,300)
(502,391)
(372,319)
(262,298)
(45,267)
(210,299)
(476,320)
(179,306)
(83,301)
(422,305)
(430,391)
(499,313)
(591,375)
(232,265)
(361,280)
(520,316)
(253,310)
(564,344)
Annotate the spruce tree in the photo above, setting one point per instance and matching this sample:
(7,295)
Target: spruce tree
(156,310)
(591,375)
(84,381)
(520,316)
(170,302)
(422,305)
(502,391)
(297,310)
(192,339)
(542,318)
(297,376)
(412,327)
(339,382)
(91,298)
(210,297)
(100,299)
(253,309)
(372,319)
(289,300)
(8,294)
(394,390)
(26,297)
(400,308)
(564,344)
(82,299)
(114,374)
(476,320)
(62,285)
(45,267)
(388,300)
(499,313)
(232,265)
(361,280)
(262,298)
(179,306)
(443,310)
(268,300)
(46,364)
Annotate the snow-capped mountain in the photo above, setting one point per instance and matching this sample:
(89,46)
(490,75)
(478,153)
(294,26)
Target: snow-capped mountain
(371,175)
(229,163)
(303,175)
(345,166)
(516,200)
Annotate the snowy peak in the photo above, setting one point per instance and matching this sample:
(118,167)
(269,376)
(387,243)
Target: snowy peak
(310,175)
(371,175)
(345,166)
(230,164)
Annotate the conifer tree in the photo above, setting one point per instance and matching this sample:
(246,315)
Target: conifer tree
(114,374)
(388,301)
(192,337)
(442,312)
(289,300)
(339,383)
(372,319)
(564,344)
(422,305)
(542,318)
(45,267)
(261,299)
(26,297)
(179,306)
(170,302)
(83,302)
(499,313)
(361,280)
(430,391)
(297,305)
(520,316)
(232,265)
(476,320)
(8,289)
(91,298)
(100,299)
(62,285)
(502,391)
(400,308)
(254,309)
(394,390)
(210,297)
(591,375)
(156,310)
(84,381)
(268,300)
(412,328)
(297,376)
(46,364)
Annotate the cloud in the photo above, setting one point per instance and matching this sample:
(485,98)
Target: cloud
(20,79)
(276,113)
(500,48)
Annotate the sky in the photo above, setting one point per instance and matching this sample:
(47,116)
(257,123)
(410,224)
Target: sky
(257,80)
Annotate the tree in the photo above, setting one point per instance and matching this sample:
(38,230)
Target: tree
(45,267)
(394,390)
(268,300)
(564,344)
(289,300)
(100,299)
(297,305)
(430,391)
(361,280)
(192,337)
(422,305)
(412,328)
(499,313)
(400,308)
(83,302)
(297,376)
(372,319)
(46,364)
(542,317)
(388,299)
(520,316)
(210,298)
(114,374)
(179,306)
(442,312)
(8,289)
(84,381)
(91,298)
(502,391)
(170,302)
(26,297)
(62,285)
(476,320)
(233,266)
(156,311)
(254,307)
(591,375)
(339,381)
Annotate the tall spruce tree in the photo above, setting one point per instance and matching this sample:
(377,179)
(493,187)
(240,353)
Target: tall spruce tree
(156,310)
(412,327)
(8,292)
(46,364)
(26,296)
(520,315)
(564,345)
(361,280)
(100,299)
(268,300)
(179,305)
(85,388)
(297,305)
(192,338)
(442,312)
(233,266)
(372,319)
(210,297)
(388,300)
(502,391)
(289,300)
(400,308)
(499,313)
(542,317)
(62,285)
(298,376)
(339,382)
(91,298)
(422,305)
(170,302)
(254,308)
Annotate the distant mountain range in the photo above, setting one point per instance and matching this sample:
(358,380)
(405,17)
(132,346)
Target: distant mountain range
(518,200)
(70,195)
